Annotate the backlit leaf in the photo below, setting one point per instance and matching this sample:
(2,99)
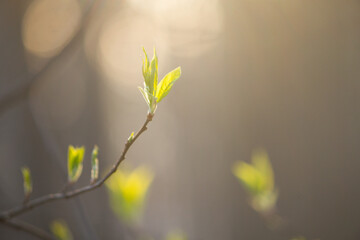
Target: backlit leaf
(75,163)
(153,74)
(94,164)
(166,83)
(145,67)
(60,230)
(128,190)
(258,180)
(27,181)
(176,235)
(131,137)
(145,96)
(153,92)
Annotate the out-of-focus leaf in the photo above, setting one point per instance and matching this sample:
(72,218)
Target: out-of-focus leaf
(166,83)
(258,176)
(60,230)
(176,235)
(258,180)
(261,162)
(265,202)
(94,164)
(298,238)
(75,163)
(27,181)
(127,190)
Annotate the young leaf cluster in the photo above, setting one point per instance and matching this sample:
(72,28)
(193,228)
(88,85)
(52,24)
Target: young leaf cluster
(75,163)
(127,190)
(153,92)
(258,180)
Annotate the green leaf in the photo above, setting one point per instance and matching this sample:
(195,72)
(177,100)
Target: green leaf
(258,180)
(152,91)
(27,181)
(94,164)
(145,96)
(131,137)
(150,72)
(166,83)
(176,235)
(250,177)
(60,230)
(298,238)
(75,163)
(153,74)
(257,177)
(128,191)
(261,162)
(145,67)
(152,102)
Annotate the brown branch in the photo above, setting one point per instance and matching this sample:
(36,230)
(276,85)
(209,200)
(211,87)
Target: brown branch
(6,215)
(28,228)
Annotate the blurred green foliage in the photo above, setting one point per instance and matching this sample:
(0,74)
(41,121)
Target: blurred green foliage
(60,230)
(176,235)
(27,181)
(298,238)
(152,92)
(75,163)
(94,164)
(127,190)
(258,180)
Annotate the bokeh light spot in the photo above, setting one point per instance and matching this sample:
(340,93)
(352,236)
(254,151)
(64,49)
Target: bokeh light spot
(48,25)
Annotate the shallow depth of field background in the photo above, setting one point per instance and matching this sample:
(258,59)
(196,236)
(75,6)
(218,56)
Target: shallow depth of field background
(283,75)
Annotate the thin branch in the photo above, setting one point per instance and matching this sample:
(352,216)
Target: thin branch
(28,228)
(6,215)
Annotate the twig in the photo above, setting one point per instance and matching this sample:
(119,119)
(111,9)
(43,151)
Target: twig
(28,228)
(6,215)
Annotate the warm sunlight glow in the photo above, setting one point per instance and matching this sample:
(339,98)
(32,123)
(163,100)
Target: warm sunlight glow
(190,31)
(44,30)
(119,49)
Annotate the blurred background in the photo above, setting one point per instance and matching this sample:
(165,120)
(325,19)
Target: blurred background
(283,75)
